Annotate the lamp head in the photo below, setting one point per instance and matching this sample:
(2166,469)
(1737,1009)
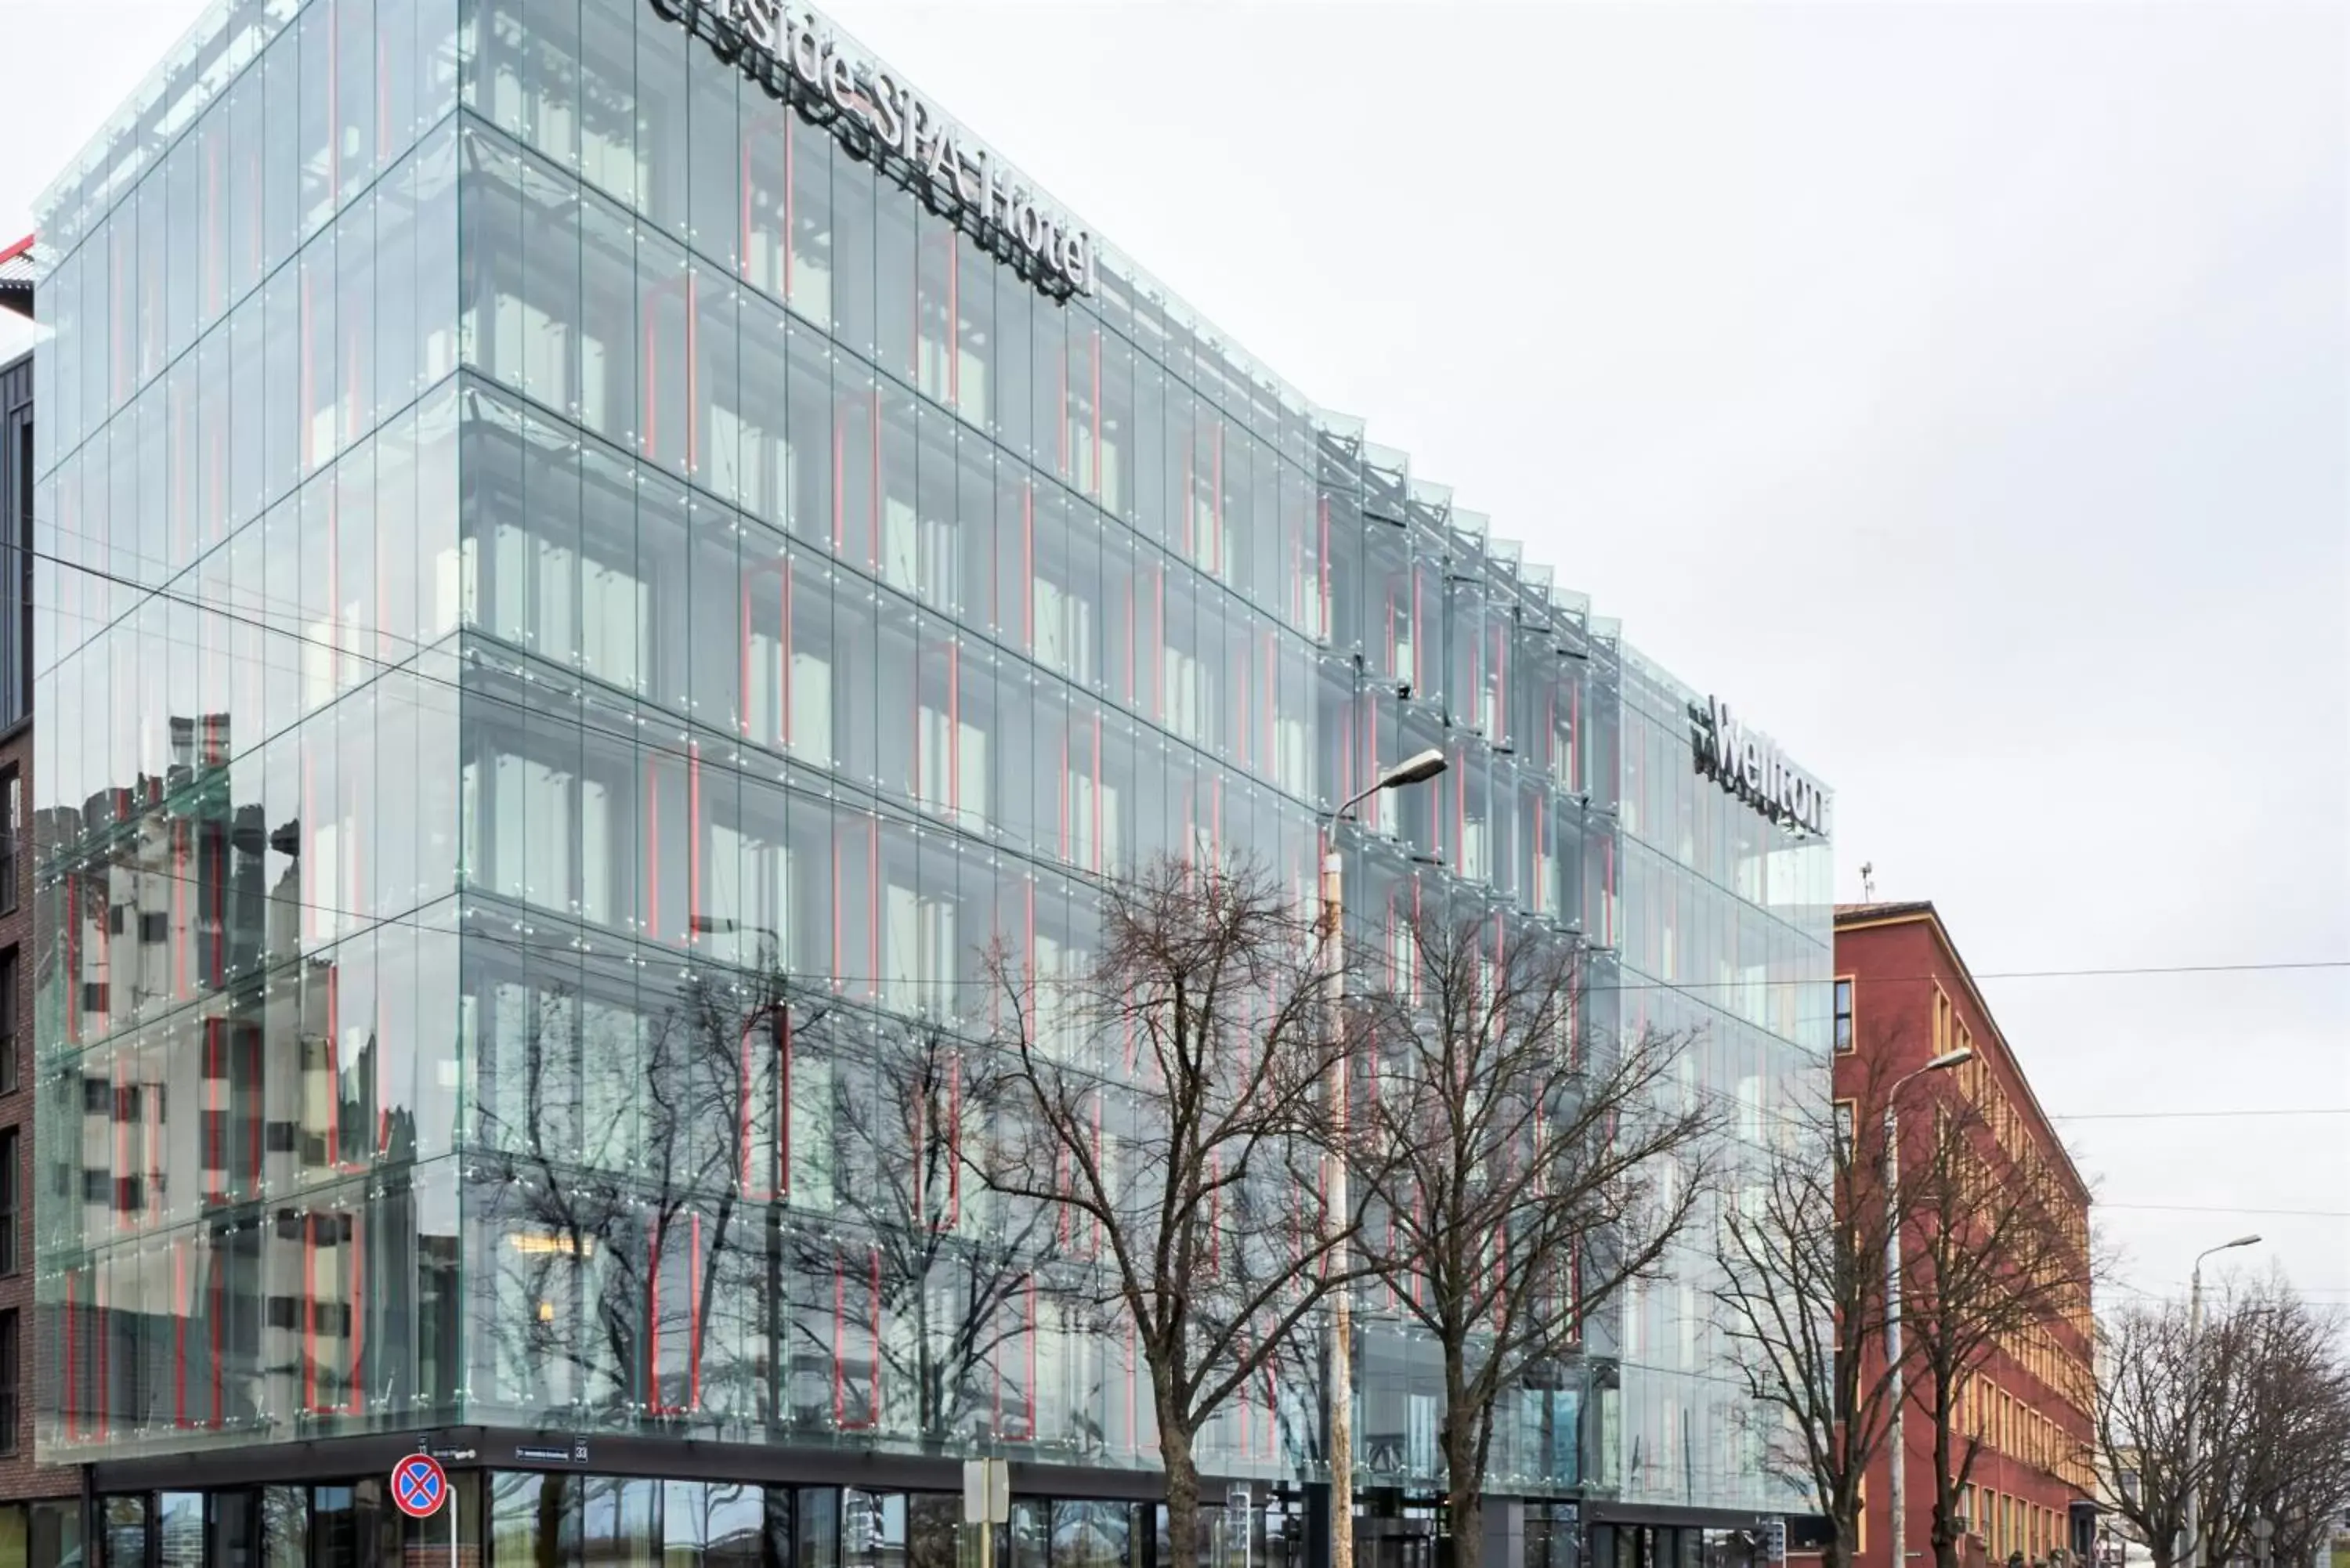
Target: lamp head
(1413,770)
(1959,1057)
(2241,1242)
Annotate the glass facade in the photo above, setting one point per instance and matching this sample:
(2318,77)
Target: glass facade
(588,607)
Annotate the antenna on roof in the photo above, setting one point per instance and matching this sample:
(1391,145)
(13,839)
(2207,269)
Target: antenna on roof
(1869,881)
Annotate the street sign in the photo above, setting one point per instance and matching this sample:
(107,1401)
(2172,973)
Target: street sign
(1774,1533)
(418,1486)
(986,1491)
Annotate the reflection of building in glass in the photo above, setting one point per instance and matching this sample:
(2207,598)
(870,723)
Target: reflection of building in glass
(662,601)
(37,1501)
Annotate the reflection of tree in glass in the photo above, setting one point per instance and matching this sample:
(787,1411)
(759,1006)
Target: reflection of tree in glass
(956,1274)
(625,1228)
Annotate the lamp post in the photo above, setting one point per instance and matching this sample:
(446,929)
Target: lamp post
(1897,1533)
(1341,1391)
(2195,1397)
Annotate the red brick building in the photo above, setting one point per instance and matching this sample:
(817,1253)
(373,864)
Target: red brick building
(1903,997)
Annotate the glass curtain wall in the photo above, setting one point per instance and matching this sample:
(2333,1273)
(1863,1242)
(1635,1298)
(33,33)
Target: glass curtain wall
(634,606)
(246,826)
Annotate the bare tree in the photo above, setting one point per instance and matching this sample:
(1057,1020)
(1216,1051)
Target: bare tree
(2273,1382)
(1988,1255)
(1173,1104)
(2141,1424)
(1802,1255)
(1521,1168)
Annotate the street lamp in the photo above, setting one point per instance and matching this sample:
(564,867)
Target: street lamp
(1413,770)
(1900,1498)
(2195,1398)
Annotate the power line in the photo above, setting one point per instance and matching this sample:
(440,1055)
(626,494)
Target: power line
(2224,1209)
(413,667)
(2180,1115)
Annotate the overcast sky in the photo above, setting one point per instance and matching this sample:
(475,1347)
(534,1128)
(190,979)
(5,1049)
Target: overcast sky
(1963,390)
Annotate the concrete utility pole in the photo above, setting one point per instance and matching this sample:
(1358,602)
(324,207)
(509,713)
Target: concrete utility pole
(2194,1403)
(1341,1390)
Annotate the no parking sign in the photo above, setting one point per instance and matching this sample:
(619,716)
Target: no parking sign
(418,1486)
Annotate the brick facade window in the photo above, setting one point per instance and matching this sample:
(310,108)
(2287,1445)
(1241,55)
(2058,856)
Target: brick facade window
(9,1068)
(12,799)
(11,1201)
(8,1381)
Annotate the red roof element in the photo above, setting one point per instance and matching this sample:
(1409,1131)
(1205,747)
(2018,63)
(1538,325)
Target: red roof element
(20,248)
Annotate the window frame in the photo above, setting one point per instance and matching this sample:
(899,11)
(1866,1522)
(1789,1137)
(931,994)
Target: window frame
(1844,1015)
(12,800)
(12,1200)
(11,977)
(12,1343)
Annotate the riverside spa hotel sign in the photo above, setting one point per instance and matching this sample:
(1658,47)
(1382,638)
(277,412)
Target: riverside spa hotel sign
(1745,762)
(794,57)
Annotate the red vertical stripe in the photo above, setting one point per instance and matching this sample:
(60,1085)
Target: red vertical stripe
(873,907)
(692,370)
(357,1274)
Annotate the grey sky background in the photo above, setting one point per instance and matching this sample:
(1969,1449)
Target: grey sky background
(1963,390)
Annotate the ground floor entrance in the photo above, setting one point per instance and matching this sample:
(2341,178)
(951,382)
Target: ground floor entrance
(554,1512)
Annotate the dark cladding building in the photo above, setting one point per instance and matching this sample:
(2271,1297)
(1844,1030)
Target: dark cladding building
(558,512)
(40,1508)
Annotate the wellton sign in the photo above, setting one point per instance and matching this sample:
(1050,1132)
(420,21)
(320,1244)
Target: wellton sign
(796,59)
(1745,762)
